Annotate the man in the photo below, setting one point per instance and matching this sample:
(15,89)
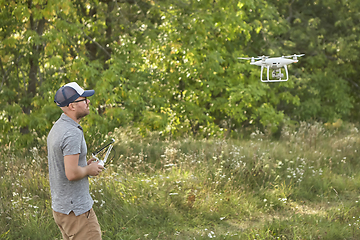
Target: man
(69,169)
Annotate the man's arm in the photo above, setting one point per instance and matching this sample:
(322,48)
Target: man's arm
(74,172)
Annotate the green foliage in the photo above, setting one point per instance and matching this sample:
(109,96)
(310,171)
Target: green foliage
(172,66)
(327,89)
(303,186)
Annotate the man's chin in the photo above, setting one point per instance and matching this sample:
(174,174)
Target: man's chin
(80,116)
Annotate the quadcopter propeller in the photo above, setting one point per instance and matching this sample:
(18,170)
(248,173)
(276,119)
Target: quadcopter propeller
(250,58)
(263,57)
(295,56)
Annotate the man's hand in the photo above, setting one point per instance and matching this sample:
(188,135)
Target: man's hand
(74,172)
(94,168)
(91,160)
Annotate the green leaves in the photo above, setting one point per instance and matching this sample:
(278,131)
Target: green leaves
(172,66)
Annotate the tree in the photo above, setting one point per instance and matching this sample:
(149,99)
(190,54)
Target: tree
(327,32)
(171,66)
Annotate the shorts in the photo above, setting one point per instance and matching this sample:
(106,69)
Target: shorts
(84,226)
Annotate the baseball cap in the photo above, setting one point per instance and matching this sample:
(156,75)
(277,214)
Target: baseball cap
(69,93)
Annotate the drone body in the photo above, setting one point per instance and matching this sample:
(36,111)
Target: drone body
(275,63)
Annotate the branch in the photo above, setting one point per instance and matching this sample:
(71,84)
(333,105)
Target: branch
(352,82)
(97,44)
(290,12)
(88,37)
(24,81)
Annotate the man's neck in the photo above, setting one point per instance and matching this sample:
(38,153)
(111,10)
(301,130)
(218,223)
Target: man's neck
(73,117)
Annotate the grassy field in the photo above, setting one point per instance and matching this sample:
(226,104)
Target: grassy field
(305,185)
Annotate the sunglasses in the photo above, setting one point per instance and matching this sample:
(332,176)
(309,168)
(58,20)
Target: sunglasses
(85,99)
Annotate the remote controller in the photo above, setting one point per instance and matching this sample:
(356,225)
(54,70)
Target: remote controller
(102,162)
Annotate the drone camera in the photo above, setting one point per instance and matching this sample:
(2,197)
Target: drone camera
(277,75)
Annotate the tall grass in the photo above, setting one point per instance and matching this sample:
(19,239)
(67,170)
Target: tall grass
(302,186)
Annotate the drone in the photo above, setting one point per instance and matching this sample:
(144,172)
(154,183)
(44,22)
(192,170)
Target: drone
(274,63)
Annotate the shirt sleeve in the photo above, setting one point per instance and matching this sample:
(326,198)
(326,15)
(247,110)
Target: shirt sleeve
(71,143)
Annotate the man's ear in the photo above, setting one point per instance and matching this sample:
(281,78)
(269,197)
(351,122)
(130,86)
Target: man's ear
(71,107)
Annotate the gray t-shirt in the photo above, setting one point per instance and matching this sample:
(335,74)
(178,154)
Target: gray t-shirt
(66,137)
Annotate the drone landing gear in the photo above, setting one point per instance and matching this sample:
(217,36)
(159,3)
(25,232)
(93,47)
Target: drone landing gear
(276,75)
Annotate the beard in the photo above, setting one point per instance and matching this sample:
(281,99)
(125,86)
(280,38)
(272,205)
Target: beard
(82,114)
